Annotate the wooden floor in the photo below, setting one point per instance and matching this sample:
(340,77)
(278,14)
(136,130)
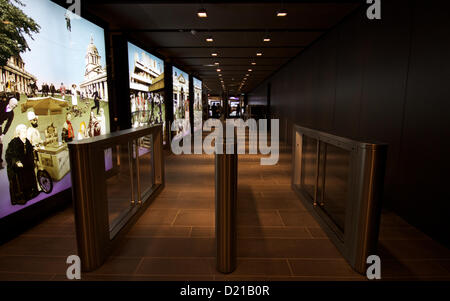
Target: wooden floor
(174,239)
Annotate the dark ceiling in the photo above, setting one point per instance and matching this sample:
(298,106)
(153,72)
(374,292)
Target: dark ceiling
(174,30)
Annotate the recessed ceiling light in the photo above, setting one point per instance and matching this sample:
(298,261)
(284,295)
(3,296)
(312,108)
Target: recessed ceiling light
(253,63)
(216,63)
(266,39)
(247,74)
(258,53)
(202,13)
(209,39)
(220,74)
(218,70)
(214,54)
(281,13)
(250,70)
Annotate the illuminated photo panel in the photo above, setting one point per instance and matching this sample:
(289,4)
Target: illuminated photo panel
(180,102)
(198,106)
(51,94)
(146,73)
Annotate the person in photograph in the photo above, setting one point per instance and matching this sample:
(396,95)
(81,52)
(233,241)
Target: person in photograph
(160,109)
(82,132)
(33,134)
(34,88)
(21,173)
(96,101)
(45,90)
(93,126)
(68,22)
(102,122)
(6,115)
(3,99)
(151,108)
(133,103)
(67,133)
(52,90)
(62,90)
(74,93)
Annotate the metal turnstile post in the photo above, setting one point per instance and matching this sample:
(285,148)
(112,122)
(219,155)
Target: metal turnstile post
(226,199)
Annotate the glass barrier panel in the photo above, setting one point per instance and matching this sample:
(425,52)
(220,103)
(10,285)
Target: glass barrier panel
(146,170)
(119,184)
(336,183)
(309,161)
(108,159)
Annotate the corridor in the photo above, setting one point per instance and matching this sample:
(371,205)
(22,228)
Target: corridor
(174,239)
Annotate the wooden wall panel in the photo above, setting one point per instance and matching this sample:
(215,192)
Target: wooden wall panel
(387,80)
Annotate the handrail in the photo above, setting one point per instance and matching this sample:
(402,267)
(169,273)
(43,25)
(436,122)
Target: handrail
(340,181)
(96,236)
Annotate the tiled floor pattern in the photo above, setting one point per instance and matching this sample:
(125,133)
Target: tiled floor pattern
(174,239)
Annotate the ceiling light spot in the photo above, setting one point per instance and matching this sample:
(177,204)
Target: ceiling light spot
(201,13)
(281,13)
(209,39)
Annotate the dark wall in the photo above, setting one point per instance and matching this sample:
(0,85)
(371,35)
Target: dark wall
(387,80)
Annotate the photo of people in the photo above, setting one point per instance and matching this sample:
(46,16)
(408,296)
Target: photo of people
(180,102)
(146,88)
(198,108)
(46,93)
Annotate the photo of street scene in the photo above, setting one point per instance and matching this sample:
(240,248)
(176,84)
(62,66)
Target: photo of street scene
(146,73)
(180,102)
(52,92)
(198,109)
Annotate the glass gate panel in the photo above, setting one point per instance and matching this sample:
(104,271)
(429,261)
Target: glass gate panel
(119,183)
(145,165)
(309,165)
(336,182)
(340,182)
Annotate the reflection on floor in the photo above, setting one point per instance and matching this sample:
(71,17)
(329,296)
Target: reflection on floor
(174,239)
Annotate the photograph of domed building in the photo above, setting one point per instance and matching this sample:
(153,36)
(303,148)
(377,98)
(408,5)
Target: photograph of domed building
(95,77)
(50,91)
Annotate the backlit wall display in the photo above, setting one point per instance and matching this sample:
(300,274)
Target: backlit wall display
(198,108)
(51,94)
(235,106)
(146,73)
(180,102)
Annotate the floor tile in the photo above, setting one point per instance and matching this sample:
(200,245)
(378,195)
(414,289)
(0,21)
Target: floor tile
(175,266)
(195,218)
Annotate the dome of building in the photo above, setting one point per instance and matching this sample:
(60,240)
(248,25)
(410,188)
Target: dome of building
(92,48)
